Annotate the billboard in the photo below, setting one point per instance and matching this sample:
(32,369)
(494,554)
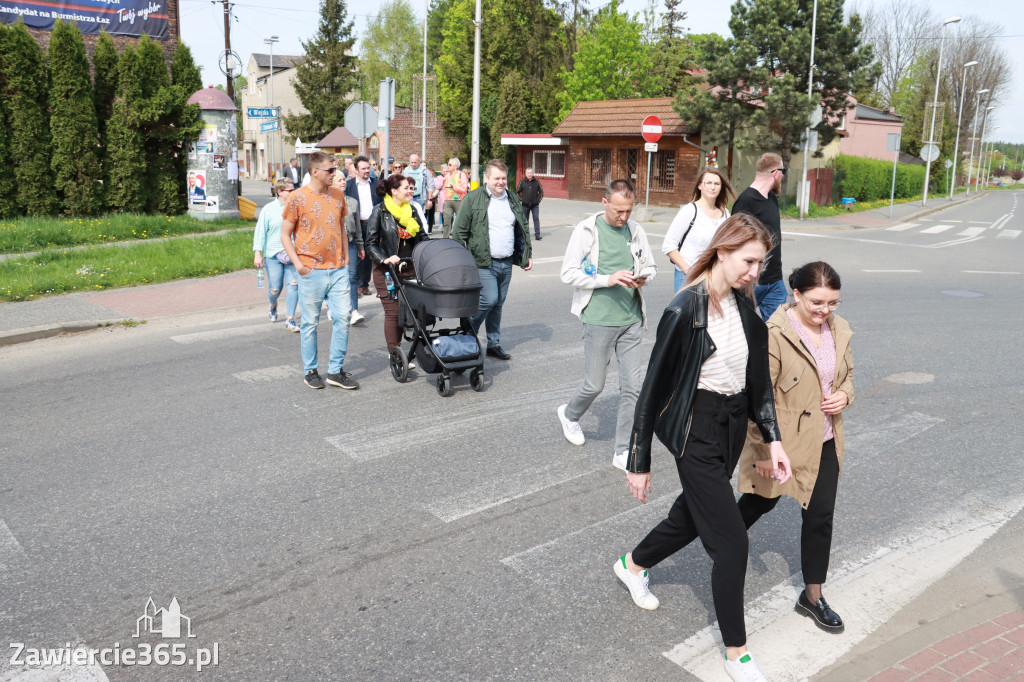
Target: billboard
(116,17)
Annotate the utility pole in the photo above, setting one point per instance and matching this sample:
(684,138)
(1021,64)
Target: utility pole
(805,185)
(227,49)
(423,141)
(474,154)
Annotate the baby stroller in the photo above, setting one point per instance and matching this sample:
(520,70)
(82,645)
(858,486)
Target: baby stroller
(446,284)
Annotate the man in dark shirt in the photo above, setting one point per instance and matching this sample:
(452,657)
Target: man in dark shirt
(531,192)
(761,201)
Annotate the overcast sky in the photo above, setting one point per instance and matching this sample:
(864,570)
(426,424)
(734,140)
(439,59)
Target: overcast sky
(202,29)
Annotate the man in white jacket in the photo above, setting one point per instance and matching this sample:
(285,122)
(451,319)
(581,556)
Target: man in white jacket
(608,261)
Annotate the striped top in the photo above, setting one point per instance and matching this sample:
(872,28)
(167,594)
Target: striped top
(824,357)
(725,371)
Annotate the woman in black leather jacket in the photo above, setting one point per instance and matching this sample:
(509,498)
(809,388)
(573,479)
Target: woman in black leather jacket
(391,232)
(707,375)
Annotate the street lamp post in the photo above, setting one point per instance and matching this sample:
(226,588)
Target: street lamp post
(981,148)
(270,41)
(959,118)
(804,183)
(970,157)
(935,105)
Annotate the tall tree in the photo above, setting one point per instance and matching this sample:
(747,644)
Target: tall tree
(899,33)
(184,71)
(77,172)
(612,62)
(513,115)
(326,78)
(392,45)
(673,53)
(436,18)
(157,108)
(104,89)
(26,81)
(126,142)
(8,205)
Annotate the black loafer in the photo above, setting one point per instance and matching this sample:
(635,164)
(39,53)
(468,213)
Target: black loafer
(497,352)
(826,619)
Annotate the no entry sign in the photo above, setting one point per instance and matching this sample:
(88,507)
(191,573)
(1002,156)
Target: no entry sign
(651,129)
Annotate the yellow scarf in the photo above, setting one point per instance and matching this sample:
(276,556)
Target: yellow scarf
(403,214)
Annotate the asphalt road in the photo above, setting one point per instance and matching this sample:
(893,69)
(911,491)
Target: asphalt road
(391,534)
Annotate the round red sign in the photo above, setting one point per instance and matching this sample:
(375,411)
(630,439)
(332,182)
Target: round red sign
(651,129)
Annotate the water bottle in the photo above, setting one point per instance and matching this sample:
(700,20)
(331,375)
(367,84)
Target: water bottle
(588,267)
(259,278)
(392,294)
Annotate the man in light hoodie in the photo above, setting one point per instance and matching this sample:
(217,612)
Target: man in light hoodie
(608,261)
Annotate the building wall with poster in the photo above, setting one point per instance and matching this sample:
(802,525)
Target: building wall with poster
(124,20)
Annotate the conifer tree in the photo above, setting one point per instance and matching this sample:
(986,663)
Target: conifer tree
(157,116)
(104,89)
(26,77)
(513,114)
(125,150)
(8,206)
(75,160)
(185,75)
(325,80)
(184,71)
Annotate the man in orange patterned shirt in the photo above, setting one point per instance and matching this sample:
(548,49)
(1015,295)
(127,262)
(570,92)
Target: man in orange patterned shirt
(313,234)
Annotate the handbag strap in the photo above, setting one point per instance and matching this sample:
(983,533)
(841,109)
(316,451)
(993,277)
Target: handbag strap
(690,227)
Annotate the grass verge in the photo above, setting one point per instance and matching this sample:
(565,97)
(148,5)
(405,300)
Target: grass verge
(107,267)
(35,234)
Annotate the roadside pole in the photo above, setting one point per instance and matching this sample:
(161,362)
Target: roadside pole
(892,143)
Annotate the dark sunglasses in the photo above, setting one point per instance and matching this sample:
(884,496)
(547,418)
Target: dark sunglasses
(327,170)
(784,170)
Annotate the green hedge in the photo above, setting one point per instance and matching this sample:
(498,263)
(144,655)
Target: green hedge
(870,179)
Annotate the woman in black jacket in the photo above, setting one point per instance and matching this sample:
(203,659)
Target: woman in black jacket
(391,232)
(707,375)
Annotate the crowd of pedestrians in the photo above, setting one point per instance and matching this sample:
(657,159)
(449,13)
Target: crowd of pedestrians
(737,376)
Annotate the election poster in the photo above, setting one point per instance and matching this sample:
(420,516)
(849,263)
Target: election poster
(116,17)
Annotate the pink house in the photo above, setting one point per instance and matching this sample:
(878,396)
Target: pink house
(863,131)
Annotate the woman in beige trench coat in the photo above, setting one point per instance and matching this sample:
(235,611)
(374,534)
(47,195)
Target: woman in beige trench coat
(812,371)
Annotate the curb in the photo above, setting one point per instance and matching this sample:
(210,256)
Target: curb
(45,331)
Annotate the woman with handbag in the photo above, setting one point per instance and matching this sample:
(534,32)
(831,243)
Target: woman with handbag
(707,375)
(393,229)
(812,371)
(696,222)
(270,254)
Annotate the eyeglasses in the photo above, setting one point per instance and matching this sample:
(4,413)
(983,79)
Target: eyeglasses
(327,170)
(782,170)
(821,306)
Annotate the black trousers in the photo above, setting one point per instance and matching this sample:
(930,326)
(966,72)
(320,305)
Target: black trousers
(707,507)
(816,526)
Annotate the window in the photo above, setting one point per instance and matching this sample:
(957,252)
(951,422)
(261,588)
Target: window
(631,165)
(599,167)
(549,164)
(663,171)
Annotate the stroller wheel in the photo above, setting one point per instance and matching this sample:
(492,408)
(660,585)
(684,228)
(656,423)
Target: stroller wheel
(399,363)
(476,380)
(444,386)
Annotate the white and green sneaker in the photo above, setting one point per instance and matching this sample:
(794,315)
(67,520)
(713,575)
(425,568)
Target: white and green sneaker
(744,669)
(637,584)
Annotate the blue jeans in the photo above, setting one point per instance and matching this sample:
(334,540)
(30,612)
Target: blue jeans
(599,345)
(353,276)
(770,297)
(316,287)
(365,265)
(535,211)
(495,280)
(277,275)
(678,278)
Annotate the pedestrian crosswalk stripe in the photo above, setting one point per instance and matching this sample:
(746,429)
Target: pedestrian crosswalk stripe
(268,374)
(936,229)
(1008,234)
(972,231)
(904,226)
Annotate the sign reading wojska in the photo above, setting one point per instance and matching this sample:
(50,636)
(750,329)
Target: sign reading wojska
(116,17)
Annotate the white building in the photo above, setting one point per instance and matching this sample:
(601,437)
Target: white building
(264,153)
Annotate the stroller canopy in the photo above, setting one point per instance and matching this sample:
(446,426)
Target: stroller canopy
(444,264)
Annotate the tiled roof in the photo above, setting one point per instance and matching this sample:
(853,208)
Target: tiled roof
(280,60)
(620,117)
(339,137)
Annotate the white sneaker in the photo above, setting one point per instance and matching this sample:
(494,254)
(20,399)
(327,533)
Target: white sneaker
(744,669)
(637,584)
(356,318)
(571,430)
(619,460)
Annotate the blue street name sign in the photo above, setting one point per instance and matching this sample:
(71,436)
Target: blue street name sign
(267,127)
(266,112)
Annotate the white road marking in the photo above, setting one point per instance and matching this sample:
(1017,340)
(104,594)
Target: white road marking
(499,491)
(1008,234)
(991,272)
(953,221)
(972,231)
(549,259)
(855,239)
(910,378)
(269,374)
(936,229)
(218,334)
(870,591)
(12,558)
(1002,220)
(904,226)
(890,271)
(954,242)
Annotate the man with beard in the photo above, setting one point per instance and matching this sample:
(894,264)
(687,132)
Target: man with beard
(761,200)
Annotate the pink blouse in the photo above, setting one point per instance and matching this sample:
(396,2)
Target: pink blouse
(824,357)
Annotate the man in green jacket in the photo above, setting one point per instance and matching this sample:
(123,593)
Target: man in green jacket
(490,223)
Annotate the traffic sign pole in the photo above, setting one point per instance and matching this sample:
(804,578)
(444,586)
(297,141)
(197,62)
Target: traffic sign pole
(651,131)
